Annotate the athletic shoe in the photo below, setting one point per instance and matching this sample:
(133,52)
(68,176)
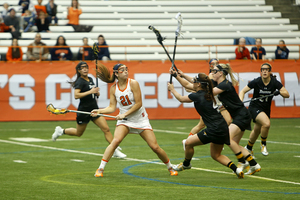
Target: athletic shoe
(250,151)
(243,166)
(263,149)
(58,132)
(181,167)
(99,172)
(253,169)
(172,172)
(118,153)
(239,173)
(183,143)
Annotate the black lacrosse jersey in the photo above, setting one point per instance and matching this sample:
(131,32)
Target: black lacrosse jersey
(230,98)
(87,103)
(214,121)
(260,89)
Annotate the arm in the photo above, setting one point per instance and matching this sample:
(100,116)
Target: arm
(78,94)
(183,81)
(112,104)
(243,92)
(69,56)
(284,93)
(217,91)
(238,55)
(45,52)
(181,99)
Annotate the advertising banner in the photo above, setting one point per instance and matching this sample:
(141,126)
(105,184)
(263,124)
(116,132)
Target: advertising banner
(28,87)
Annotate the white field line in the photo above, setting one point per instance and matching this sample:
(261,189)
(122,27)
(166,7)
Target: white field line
(137,160)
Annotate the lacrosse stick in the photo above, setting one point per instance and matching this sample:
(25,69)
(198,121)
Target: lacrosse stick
(253,99)
(61,111)
(96,51)
(177,33)
(160,39)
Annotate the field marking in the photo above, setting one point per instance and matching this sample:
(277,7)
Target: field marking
(19,161)
(137,160)
(185,133)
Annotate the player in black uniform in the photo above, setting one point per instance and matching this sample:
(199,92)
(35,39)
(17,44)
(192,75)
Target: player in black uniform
(216,133)
(86,91)
(213,62)
(260,110)
(239,113)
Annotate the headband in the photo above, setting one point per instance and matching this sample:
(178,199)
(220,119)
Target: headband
(117,66)
(213,60)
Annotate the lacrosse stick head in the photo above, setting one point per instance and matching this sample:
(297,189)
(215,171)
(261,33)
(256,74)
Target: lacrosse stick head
(157,33)
(95,50)
(179,24)
(56,111)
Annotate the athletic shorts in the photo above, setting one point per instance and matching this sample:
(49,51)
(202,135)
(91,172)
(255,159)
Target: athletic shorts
(254,111)
(207,138)
(84,118)
(243,119)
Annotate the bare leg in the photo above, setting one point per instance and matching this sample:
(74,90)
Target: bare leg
(78,131)
(102,124)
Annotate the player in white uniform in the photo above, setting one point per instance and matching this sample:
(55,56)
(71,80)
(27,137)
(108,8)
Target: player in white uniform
(127,93)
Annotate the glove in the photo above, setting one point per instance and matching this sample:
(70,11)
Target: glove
(276,93)
(174,75)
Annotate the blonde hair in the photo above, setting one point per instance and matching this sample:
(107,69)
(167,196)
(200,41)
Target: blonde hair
(227,70)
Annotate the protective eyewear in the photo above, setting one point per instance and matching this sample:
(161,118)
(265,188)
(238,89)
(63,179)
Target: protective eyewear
(214,71)
(121,70)
(265,69)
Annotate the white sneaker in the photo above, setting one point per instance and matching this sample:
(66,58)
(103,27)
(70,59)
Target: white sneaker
(253,169)
(243,166)
(183,143)
(250,151)
(118,153)
(239,173)
(58,132)
(263,149)
(181,167)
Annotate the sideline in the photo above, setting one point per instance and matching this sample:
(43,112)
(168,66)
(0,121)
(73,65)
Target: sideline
(134,159)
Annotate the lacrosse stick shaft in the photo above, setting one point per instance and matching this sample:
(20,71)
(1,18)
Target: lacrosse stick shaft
(173,64)
(254,99)
(88,113)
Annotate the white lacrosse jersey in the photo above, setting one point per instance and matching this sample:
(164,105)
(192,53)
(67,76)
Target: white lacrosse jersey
(136,120)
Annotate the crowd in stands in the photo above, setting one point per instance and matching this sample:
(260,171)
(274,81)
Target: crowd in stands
(42,16)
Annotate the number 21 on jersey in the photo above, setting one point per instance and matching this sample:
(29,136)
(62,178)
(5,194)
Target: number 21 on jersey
(125,100)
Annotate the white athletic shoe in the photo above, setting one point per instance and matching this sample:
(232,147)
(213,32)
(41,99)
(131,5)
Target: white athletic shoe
(58,132)
(243,166)
(239,173)
(250,151)
(181,167)
(253,169)
(263,149)
(118,153)
(183,143)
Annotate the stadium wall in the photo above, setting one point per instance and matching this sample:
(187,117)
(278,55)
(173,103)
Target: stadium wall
(27,87)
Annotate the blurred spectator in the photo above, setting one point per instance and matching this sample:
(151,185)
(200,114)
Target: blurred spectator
(27,21)
(258,52)
(73,13)
(282,52)
(14,52)
(61,51)
(52,11)
(36,50)
(13,22)
(241,51)
(24,5)
(103,51)
(5,11)
(42,23)
(85,52)
(39,7)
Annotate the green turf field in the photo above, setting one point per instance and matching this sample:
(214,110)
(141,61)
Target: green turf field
(34,167)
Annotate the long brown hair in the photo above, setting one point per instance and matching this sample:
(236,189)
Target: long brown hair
(207,86)
(104,74)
